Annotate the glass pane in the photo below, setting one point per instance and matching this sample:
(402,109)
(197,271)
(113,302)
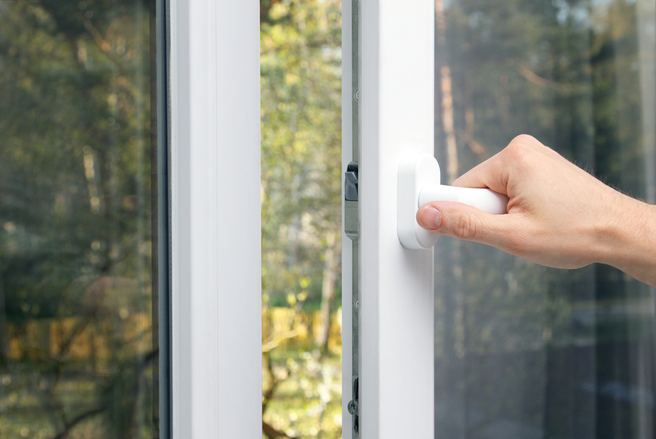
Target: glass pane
(78,293)
(524,351)
(300,54)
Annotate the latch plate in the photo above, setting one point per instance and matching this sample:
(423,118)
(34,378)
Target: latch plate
(351,222)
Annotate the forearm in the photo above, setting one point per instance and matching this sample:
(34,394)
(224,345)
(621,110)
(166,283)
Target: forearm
(630,240)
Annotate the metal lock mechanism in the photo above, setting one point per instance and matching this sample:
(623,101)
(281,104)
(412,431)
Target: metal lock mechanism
(351,201)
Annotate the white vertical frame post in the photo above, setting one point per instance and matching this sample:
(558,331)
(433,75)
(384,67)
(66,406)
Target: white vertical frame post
(215,219)
(396,306)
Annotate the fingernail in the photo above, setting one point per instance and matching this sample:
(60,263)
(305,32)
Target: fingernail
(430,218)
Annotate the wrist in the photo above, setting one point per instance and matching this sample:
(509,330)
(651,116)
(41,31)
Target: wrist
(627,238)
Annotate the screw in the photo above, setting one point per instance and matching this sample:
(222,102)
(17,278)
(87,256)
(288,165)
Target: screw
(357,95)
(353,407)
(357,304)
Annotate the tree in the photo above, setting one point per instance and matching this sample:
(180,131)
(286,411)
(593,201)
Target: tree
(75,216)
(301,185)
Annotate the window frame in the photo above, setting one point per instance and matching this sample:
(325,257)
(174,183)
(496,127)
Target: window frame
(396,43)
(215,219)
(215,258)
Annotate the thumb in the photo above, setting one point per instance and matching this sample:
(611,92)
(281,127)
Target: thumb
(465,222)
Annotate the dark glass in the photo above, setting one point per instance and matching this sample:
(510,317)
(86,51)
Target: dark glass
(523,351)
(78,223)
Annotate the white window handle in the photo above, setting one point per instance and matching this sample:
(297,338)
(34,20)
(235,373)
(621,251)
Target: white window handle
(418,183)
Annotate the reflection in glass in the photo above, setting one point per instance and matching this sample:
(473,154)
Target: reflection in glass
(524,351)
(78,345)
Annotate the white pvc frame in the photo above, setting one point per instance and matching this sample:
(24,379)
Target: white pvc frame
(215,219)
(216,335)
(396,285)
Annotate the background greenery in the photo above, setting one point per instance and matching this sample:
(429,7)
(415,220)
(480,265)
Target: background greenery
(300,47)
(523,350)
(77,353)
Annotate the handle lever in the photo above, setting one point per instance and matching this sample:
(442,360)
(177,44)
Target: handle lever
(418,183)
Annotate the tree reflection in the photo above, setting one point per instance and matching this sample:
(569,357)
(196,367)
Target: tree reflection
(521,350)
(78,354)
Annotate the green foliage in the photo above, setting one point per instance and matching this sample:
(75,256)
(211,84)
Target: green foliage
(301,143)
(300,55)
(307,402)
(75,231)
(75,153)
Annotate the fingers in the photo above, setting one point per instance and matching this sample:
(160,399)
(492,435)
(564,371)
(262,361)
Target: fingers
(469,223)
(494,173)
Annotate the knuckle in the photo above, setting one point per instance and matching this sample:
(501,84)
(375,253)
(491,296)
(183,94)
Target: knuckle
(466,227)
(524,139)
(517,148)
(521,150)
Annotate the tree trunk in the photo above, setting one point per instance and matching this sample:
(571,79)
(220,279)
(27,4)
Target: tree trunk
(447,97)
(328,289)
(3,325)
(452,273)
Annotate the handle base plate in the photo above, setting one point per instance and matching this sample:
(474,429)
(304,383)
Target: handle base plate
(415,171)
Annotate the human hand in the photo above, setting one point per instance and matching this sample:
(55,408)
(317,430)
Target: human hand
(558,214)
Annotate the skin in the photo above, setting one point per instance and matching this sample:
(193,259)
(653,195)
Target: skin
(558,214)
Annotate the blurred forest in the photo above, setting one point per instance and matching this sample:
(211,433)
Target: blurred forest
(521,350)
(300,47)
(78,347)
